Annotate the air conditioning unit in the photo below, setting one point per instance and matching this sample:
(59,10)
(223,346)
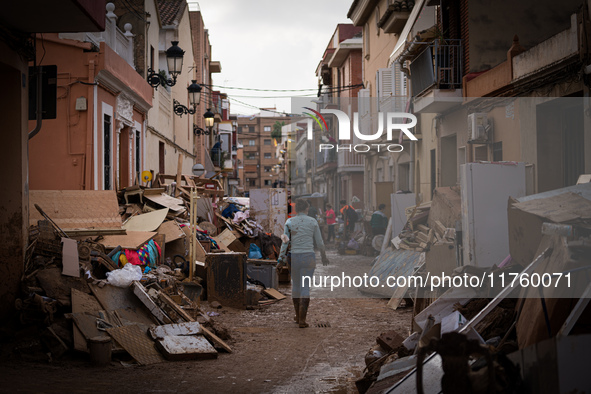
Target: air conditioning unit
(478,126)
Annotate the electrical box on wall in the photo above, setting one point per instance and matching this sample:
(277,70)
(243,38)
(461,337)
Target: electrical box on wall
(81,104)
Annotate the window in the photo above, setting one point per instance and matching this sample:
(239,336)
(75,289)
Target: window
(267,142)
(240,142)
(138,151)
(253,182)
(267,182)
(251,142)
(251,129)
(267,169)
(151,57)
(250,156)
(267,128)
(268,155)
(107,152)
(481,153)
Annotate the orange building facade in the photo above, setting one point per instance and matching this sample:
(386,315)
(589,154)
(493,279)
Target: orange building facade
(96,140)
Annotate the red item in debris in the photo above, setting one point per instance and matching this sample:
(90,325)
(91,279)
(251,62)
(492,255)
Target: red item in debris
(132,257)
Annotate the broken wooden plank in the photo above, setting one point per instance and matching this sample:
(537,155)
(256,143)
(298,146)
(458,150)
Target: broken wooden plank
(132,240)
(174,306)
(274,294)
(137,343)
(397,297)
(171,231)
(439,228)
(404,245)
(423,228)
(421,237)
(77,209)
(140,292)
(147,221)
(217,340)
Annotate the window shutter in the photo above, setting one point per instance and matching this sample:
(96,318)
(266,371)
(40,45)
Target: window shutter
(384,84)
(363,109)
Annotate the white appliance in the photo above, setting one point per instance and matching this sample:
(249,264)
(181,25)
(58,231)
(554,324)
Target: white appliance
(486,188)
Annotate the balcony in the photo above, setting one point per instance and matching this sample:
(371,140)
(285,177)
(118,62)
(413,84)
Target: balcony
(326,160)
(436,75)
(121,42)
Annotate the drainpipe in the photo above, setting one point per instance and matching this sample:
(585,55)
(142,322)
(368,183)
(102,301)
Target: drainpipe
(402,58)
(39,106)
(89,128)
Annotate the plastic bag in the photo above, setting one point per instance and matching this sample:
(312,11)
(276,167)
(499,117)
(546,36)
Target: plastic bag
(124,276)
(353,244)
(254,252)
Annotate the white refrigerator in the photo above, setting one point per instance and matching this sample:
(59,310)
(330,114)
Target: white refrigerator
(486,188)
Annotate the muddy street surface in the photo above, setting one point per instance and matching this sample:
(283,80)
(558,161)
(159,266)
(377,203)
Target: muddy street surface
(271,354)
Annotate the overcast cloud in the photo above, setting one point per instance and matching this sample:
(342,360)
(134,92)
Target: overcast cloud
(268,44)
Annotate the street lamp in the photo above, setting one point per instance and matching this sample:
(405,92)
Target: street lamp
(194,97)
(174,60)
(209,118)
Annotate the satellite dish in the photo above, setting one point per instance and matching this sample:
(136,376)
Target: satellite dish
(146,176)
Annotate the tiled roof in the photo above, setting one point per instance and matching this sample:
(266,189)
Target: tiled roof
(169,9)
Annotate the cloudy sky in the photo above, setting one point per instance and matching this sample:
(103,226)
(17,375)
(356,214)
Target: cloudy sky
(269,44)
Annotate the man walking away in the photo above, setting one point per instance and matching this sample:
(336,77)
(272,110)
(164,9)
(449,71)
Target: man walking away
(302,232)
(379,221)
(349,217)
(331,219)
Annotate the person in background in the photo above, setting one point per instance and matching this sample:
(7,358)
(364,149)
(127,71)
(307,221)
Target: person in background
(331,219)
(349,217)
(289,208)
(379,221)
(301,233)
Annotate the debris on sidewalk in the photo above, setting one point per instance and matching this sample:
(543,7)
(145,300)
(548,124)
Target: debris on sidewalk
(119,264)
(548,232)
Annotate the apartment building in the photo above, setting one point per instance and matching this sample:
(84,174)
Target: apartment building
(259,149)
(339,175)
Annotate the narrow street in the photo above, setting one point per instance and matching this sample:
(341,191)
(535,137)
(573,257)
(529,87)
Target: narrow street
(271,354)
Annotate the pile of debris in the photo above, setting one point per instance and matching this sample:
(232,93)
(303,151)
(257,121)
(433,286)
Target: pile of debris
(473,338)
(130,268)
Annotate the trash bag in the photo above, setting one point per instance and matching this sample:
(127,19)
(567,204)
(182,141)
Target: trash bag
(353,244)
(254,252)
(124,276)
(229,212)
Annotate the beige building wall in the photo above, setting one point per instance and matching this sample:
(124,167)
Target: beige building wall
(164,127)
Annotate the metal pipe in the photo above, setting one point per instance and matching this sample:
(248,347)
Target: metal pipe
(39,104)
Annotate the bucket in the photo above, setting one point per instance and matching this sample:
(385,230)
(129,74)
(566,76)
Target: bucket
(100,351)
